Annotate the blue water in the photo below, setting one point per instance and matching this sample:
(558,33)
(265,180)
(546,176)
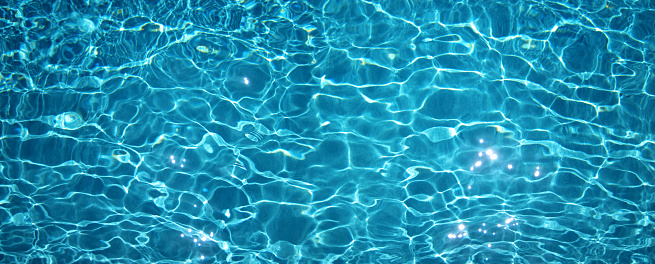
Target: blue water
(327,132)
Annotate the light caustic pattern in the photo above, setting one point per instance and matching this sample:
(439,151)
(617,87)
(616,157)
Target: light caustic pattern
(301,132)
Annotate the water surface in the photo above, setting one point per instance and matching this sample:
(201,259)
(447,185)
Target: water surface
(325,132)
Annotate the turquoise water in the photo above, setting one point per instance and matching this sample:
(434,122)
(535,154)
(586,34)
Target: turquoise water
(327,132)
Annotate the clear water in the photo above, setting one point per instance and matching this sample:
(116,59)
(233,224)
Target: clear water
(327,132)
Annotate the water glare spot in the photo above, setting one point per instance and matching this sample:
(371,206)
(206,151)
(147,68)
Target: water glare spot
(223,245)
(208,148)
(69,121)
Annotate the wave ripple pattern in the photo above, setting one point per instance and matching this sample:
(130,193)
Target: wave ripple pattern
(327,131)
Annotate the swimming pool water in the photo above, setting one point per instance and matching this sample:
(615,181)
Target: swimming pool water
(327,131)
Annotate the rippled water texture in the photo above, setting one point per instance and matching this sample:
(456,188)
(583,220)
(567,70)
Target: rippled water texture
(323,132)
